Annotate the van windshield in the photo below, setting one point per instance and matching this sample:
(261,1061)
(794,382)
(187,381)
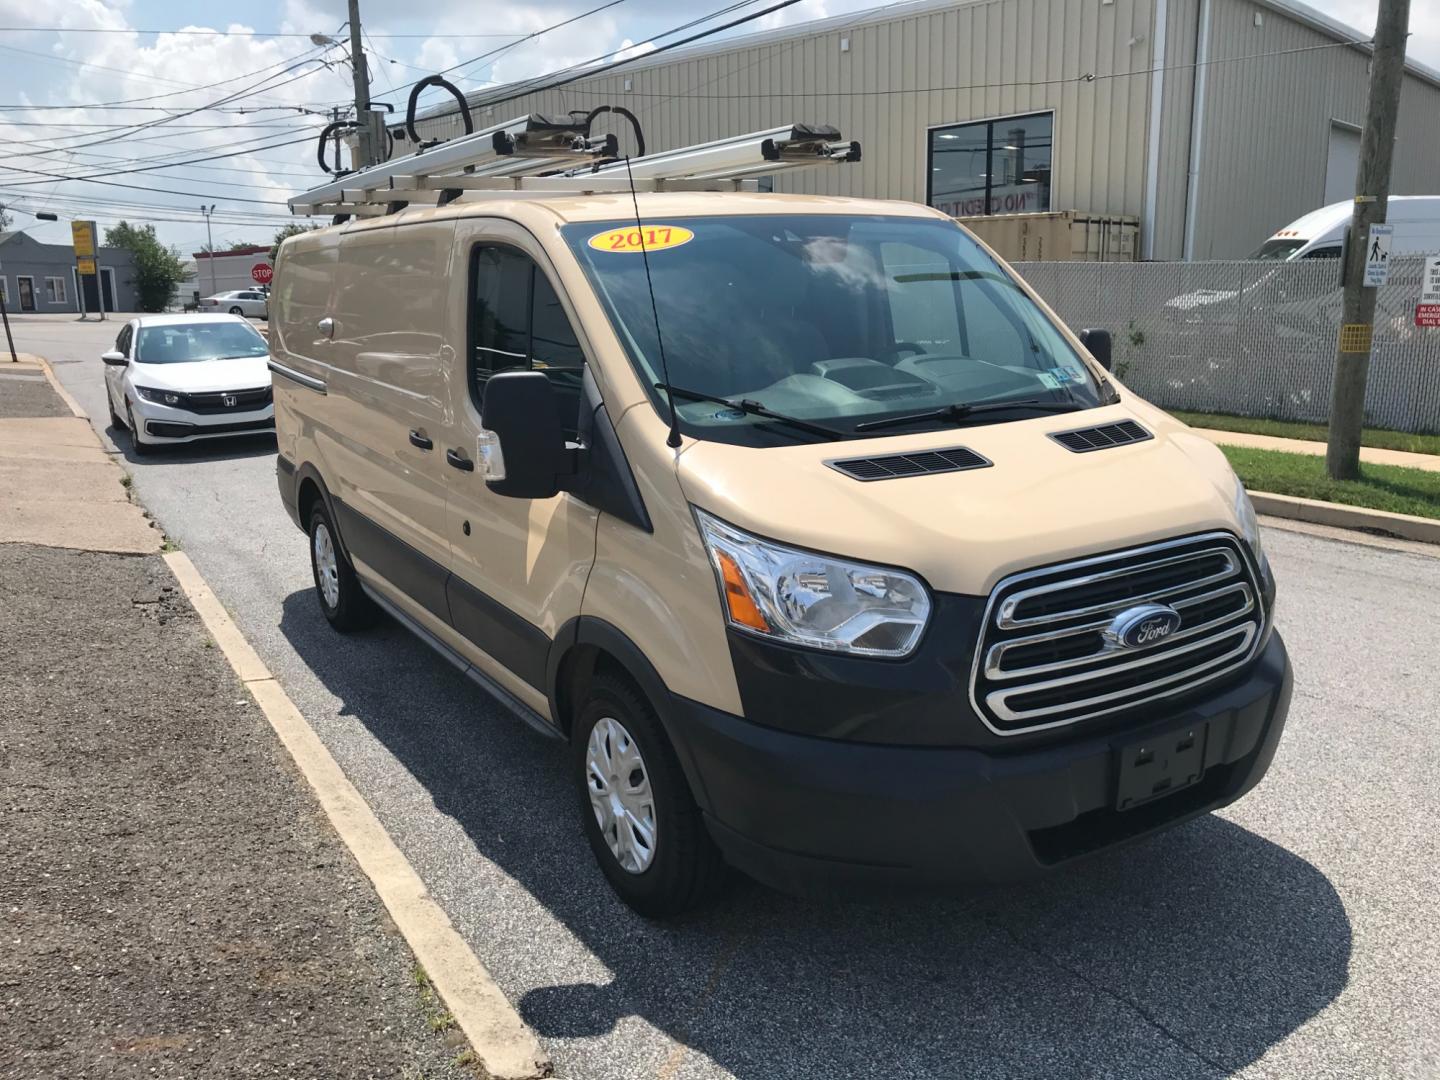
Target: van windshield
(185,343)
(1279,250)
(838,320)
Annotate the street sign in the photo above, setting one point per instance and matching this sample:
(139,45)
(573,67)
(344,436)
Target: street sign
(1377,256)
(261,273)
(82,235)
(1427,312)
(84,265)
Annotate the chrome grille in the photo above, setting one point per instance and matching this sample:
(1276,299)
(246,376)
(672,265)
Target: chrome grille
(1046,656)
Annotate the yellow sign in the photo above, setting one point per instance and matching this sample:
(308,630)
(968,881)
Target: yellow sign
(634,238)
(82,235)
(85,266)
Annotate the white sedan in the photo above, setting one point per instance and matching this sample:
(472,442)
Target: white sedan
(251,302)
(179,378)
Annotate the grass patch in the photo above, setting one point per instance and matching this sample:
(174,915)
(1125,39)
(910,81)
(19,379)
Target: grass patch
(1380,487)
(1295,429)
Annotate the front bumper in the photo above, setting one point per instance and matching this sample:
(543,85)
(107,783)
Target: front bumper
(800,812)
(162,423)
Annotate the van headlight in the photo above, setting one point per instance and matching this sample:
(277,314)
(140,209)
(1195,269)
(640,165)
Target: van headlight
(821,602)
(1250,531)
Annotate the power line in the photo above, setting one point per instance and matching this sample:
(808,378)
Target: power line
(138,187)
(587,72)
(202,32)
(171,165)
(228,99)
(1086,78)
(173,93)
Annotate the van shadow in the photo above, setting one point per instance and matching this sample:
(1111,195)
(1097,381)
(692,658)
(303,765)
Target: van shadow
(1186,955)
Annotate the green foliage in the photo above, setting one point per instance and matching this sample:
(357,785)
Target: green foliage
(1380,487)
(1294,429)
(293,229)
(158,269)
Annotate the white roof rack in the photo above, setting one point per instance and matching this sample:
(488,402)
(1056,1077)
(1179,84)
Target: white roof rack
(538,153)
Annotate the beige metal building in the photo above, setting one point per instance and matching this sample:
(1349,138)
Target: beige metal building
(1212,122)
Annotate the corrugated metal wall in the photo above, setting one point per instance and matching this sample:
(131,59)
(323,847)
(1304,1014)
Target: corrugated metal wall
(902,75)
(1266,121)
(1267,127)
(1174,155)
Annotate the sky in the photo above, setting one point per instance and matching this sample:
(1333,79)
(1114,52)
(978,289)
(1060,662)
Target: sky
(51,70)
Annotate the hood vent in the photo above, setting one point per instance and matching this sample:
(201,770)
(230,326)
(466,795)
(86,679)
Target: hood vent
(920,463)
(1083,440)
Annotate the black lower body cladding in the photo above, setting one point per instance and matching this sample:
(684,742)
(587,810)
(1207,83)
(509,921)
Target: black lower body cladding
(801,812)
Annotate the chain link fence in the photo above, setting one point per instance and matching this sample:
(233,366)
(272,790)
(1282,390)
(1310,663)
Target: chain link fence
(1250,338)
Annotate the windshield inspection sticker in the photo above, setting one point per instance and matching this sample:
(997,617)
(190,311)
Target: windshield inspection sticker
(631,238)
(1048,380)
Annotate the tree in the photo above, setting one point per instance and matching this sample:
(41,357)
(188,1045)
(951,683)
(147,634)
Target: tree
(5,219)
(293,229)
(158,269)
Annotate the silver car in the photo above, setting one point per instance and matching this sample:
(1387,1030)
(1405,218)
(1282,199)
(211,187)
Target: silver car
(249,302)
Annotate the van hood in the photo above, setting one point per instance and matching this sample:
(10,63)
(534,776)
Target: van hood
(1038,503)
(199,376)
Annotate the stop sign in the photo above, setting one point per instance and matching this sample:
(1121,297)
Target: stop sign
(262,273)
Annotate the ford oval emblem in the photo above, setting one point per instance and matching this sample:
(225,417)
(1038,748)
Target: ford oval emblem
(1142,626)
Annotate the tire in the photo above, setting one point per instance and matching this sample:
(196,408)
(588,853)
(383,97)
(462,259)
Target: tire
(115,422)
(138,448)
(680,868)
(343,601)
(237,310)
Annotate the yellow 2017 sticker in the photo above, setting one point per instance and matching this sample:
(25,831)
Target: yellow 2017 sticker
(637,238)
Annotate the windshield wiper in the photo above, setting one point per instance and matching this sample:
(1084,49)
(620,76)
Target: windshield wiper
(755,408)
(962,411)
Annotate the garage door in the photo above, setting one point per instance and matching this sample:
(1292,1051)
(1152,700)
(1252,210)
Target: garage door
(1341,164)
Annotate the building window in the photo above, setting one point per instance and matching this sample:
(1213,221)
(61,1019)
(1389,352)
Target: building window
(55,290)
(992,166)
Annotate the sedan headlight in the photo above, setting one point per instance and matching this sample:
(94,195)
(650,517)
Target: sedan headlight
(802,598)
(160,397)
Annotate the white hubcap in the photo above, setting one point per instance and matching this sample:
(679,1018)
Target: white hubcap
(326,568)
(620,795)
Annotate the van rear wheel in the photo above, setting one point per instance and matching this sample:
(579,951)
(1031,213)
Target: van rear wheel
(343,601)
(637,810)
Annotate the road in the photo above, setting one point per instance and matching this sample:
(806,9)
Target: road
(1295,934)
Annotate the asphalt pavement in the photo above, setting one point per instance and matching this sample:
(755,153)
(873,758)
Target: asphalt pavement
(1295,934)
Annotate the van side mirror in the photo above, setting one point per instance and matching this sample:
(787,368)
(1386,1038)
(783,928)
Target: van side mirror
(114,358)
(532,458)
(1098,342)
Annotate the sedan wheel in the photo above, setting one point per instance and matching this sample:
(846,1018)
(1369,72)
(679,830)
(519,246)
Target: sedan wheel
(237,310)
(139,448)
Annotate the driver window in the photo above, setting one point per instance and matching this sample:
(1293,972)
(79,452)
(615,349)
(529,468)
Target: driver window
(122,342)
(519,324)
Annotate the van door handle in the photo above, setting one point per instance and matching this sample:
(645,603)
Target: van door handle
(416,439)
(459,461)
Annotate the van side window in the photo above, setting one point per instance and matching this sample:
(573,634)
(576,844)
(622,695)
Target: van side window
(518,324)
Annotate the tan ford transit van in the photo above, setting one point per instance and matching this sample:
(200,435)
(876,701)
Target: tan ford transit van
(905,588)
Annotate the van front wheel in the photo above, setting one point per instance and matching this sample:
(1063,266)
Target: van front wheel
(338,589)
(638,813)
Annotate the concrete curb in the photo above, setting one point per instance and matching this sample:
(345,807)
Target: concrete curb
(70,402)
(506,1047)
(1406,526)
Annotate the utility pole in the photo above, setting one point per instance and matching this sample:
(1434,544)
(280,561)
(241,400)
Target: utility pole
(364,130)
(210,244)
(1372,191)
(335,118)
